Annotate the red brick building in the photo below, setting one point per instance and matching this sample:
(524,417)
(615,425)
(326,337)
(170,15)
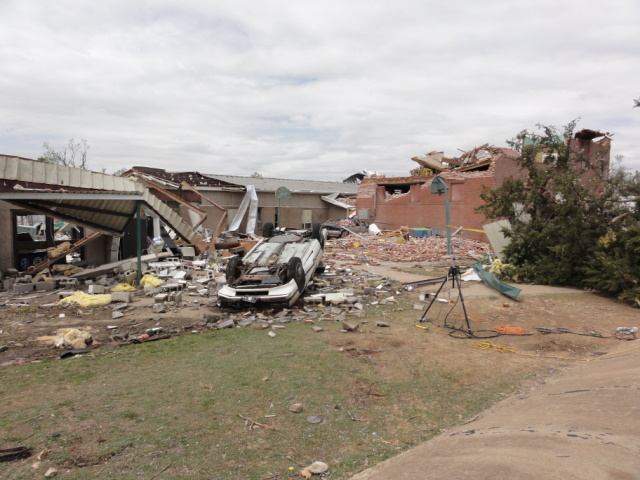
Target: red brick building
(408,201)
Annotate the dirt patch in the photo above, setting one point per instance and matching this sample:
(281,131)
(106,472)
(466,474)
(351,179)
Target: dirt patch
(362,390)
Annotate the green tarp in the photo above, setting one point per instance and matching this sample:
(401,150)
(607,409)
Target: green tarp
(492,281)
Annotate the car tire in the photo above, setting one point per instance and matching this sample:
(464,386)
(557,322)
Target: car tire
(343,233)
(267,230)
(316,233)
(233,270)
(296,272)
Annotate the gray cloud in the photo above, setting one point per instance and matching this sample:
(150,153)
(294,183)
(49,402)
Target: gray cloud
(310,89)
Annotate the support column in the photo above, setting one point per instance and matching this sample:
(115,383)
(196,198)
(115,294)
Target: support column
(139,238)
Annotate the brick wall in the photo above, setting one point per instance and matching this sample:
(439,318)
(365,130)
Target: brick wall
(504,166)
(421,208)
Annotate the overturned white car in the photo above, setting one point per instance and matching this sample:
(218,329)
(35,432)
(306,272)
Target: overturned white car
(277,270)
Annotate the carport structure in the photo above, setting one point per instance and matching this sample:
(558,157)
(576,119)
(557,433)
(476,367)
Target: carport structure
(103,203)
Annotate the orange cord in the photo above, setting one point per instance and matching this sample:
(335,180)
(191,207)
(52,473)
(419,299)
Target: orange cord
(510,330)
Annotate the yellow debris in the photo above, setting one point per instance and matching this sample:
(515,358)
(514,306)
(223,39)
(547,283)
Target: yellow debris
(123,287)
(59,250)
(68,337)
(150,281)
(86,300)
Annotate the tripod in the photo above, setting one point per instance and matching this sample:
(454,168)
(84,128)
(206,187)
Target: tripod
(454,275)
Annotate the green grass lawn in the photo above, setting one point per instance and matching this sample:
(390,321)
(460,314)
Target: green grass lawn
(171,409)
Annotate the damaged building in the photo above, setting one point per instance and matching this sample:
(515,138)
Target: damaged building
(283,202)
(97,216)
(392,202)
(43,206)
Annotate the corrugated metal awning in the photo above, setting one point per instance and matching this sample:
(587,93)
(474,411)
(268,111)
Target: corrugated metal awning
(98,201)
(101,202)
(104,212)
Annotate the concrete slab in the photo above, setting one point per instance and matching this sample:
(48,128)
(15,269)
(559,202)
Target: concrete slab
(581,425)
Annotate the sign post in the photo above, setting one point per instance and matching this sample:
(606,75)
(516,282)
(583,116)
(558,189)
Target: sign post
(439,187)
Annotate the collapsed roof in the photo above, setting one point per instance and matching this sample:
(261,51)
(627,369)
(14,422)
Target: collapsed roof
(473,159)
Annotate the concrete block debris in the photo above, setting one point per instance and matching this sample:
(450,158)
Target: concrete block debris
(350,326)
(23,287)
(121,297)
(334,300)
(96,289)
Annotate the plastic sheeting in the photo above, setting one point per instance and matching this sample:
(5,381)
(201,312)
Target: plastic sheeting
(250,202)
(490,280)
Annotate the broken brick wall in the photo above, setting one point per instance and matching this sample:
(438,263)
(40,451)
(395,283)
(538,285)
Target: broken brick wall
(599,154)
(504,166)
(420,208)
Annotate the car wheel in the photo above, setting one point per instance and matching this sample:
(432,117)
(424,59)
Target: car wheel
(296,272)
(343,233)
(233,270)
(267,230)
(316,233)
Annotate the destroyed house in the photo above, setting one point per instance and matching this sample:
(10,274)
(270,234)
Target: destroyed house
(285,202)
(407,201)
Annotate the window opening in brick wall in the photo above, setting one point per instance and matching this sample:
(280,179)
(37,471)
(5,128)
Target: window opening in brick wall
(457,192)
(395,189)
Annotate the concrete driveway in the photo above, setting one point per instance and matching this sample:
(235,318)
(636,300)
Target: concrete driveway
(583,424)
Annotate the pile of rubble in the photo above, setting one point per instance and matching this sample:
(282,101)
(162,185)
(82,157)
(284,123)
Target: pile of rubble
(436,162)
(172,286)
(400,248)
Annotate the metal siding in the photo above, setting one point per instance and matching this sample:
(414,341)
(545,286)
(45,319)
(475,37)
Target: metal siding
(272,184)
(14,168)
(11,169)
(50,175)
(96,181)
(99,217)
(63,175)
(496,238)
(25,170)
(39,170)
(108,182)
(225,199)
(75,179)
(268,199)
(89,179)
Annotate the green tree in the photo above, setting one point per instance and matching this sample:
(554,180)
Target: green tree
(562,212)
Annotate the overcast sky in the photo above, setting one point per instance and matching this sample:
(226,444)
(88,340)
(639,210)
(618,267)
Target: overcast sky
(310,89)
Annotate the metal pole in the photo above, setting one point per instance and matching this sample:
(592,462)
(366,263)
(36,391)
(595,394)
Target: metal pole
(139,238)
(447,219)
